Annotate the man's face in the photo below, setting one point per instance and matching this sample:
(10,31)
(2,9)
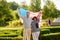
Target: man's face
(27,14)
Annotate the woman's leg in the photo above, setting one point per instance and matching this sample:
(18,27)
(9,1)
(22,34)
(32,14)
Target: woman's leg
(35,35)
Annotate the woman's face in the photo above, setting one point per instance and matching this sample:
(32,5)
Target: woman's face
(35,19)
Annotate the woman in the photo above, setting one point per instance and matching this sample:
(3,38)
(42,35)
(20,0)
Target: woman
(35,28)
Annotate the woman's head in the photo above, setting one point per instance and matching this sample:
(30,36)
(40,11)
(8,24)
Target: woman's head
(34,18)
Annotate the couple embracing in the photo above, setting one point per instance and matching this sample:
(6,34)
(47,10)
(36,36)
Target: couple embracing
(31,22)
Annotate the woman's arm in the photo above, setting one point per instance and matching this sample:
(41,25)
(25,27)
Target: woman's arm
(40,18)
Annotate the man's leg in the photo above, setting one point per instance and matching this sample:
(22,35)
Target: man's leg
(24,34)
(28,33)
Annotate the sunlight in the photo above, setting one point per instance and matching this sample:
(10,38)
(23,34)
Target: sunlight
(56,2)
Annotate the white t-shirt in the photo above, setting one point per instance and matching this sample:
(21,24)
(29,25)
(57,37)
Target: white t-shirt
(26,22)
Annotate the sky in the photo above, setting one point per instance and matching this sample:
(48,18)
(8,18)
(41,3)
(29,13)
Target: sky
(56,2)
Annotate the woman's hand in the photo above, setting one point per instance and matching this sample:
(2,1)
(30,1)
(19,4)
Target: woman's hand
(39,15)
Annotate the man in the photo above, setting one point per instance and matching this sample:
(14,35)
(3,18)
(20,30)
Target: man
(24,14)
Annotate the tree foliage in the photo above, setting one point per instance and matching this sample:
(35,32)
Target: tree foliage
(4,12)
(23,5)
(13,5)
(35,5)
(49,10)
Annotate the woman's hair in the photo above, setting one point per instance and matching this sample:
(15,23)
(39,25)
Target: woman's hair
(35,18)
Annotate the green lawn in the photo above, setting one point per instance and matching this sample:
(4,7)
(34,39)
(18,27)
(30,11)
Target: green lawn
(9,33)
(50,33)
(46,33)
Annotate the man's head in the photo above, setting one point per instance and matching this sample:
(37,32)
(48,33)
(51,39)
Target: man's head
(28,14)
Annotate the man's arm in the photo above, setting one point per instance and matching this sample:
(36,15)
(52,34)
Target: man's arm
(19,14)
(20,18)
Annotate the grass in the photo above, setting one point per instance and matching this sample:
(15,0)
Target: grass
(46,32)
(9,33)
(50,34)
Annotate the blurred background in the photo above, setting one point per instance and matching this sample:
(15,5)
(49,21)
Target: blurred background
(11,27)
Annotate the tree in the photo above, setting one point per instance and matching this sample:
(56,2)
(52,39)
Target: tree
(35,5)
(13,5)
(58,12)
(4,12)
(49,10)
(23,5)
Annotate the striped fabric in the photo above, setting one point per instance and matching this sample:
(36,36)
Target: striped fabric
(33,14)
(38,15)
